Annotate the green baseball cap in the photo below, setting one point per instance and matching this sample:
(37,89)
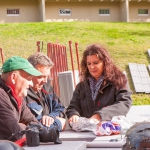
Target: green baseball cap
(17,63)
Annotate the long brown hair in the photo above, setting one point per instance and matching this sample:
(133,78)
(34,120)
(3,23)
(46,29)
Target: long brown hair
(111,72)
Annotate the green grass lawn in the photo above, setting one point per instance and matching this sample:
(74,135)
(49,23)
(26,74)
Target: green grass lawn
(126,42)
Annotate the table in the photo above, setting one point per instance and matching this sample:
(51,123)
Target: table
(72,140)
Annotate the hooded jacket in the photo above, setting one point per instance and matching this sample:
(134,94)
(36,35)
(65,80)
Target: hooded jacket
(109,101)
(47,103)
(12,119)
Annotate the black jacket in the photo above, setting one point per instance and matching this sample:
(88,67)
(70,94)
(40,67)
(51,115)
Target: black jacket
(109,102)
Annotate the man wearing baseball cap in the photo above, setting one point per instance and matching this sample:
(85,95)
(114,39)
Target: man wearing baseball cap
(15,80)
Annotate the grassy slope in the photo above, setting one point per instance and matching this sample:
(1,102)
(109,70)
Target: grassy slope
(126,42)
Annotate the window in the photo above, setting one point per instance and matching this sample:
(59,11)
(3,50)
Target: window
(13,12)
(142,12)
(104,12)
(65,12)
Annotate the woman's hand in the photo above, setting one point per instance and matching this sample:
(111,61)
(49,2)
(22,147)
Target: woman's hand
(96,118)
(74,118)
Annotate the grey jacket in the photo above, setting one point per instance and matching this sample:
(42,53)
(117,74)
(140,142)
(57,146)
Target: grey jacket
(109,102)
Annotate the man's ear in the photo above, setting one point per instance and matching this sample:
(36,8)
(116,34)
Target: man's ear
(13,77)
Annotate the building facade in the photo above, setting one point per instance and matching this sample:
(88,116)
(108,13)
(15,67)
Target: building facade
(74,10)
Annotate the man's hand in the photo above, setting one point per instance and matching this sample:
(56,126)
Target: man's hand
(47,120)
(74,118)
(63,122)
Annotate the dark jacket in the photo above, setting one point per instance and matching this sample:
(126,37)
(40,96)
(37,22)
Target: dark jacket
(109,102)
(12,119)
(47,103)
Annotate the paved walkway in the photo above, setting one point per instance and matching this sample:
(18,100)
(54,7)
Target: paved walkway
(139,113)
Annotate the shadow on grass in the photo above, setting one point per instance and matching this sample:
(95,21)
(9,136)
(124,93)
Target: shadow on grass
(147,56)
(129,79)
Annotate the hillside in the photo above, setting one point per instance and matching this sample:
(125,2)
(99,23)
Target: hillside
(126,42)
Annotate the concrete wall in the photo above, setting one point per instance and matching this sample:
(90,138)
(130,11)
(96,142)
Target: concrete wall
(41,10)
(133,8)
(29,11)
(83,11)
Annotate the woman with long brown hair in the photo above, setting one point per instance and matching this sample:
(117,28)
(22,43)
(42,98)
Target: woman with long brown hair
(104,91)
